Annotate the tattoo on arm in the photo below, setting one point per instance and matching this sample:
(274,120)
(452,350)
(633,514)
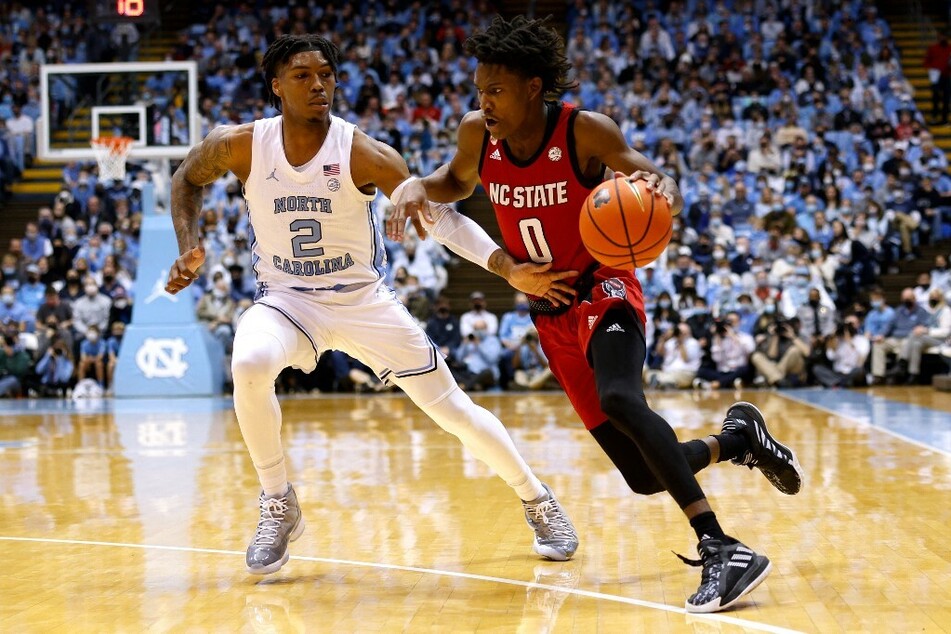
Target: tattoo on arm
(497,262)
(204,163)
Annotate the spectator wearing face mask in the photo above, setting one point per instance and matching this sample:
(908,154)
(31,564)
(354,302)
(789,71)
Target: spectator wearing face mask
(747,312)
(923,337)
(742,262)
(121,310)
(13,311)
(31,292)
(923,289)
(92,356)
(443,327)
(478,312)
(907,317)
(817,317)
(73,289)
(940,275)
(91,309)
(721,233)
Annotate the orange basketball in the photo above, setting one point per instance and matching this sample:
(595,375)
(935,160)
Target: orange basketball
(624,225)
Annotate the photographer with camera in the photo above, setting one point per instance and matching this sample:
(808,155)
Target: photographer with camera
(479,353)
(730,353)
(846,351)
(531,365)
(780,356)
(681,354)
(55,369)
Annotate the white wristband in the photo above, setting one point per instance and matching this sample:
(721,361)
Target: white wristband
(398,192)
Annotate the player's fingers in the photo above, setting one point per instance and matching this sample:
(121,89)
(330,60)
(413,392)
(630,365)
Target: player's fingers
(561,287)
(194,258)
(394,224)
(420,229)
(426,212)
(560,275)
(557,298)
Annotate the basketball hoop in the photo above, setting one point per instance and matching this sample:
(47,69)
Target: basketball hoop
(111,153)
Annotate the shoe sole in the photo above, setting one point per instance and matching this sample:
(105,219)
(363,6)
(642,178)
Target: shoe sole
(550,553)
(716,606)
(277,565)
(795,460)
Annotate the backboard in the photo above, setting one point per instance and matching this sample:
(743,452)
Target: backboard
(155,103)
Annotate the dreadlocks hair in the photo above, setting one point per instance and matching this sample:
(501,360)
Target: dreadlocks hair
(283,48)
(532,48)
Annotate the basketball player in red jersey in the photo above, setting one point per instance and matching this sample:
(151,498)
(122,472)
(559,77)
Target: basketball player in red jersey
(538,159)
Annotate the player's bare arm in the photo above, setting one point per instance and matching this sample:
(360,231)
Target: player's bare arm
(599,141)
(226,148)
(458,179)
(376,164)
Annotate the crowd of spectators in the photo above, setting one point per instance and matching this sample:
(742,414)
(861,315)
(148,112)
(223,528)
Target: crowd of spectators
(806,169)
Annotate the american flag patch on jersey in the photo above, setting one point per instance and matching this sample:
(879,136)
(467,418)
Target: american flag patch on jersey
(332,170)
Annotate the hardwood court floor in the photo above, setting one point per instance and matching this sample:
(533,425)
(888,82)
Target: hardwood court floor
(133,516)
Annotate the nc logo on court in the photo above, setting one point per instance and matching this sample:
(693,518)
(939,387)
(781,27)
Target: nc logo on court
(162,358)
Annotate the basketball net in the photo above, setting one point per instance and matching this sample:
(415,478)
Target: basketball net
(111,153)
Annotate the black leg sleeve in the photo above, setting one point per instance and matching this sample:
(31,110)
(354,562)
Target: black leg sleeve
(618,356)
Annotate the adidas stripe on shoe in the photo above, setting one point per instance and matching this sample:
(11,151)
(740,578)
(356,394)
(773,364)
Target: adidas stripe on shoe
(776,461)
(730,572)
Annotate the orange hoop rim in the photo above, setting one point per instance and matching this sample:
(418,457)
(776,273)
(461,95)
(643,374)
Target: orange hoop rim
(115,144)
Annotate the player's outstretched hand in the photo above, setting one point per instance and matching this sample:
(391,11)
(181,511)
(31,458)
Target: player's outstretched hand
(540,281)
(661,186)
(185,269)
(410,203)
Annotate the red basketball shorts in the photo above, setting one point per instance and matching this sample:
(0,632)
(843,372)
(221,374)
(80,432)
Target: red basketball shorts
(565,339)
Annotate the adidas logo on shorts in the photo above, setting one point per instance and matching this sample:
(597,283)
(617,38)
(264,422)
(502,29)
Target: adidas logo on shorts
(615,328)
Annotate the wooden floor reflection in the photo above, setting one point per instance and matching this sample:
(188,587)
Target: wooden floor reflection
(133,516)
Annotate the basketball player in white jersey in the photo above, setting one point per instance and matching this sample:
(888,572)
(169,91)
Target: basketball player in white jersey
(309,178)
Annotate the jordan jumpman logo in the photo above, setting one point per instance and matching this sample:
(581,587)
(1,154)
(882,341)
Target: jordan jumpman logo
(273,171)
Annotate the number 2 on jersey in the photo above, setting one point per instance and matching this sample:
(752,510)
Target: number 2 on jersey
(308,231)
(533,237)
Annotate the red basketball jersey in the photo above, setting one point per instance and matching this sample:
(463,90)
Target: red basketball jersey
(538,202)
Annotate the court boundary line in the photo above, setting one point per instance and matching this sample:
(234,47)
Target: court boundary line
(869,423)
(590,594)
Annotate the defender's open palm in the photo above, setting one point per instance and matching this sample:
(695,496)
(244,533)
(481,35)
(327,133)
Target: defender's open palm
(540,281)
(411,204)
(185,269)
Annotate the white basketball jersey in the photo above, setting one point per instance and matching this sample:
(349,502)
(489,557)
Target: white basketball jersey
(311,228)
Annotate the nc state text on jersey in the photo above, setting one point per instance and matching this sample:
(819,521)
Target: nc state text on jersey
(530,196)
(301,203)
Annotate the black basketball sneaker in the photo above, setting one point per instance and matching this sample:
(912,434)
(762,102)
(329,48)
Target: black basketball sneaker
(730,571)
(777,461)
